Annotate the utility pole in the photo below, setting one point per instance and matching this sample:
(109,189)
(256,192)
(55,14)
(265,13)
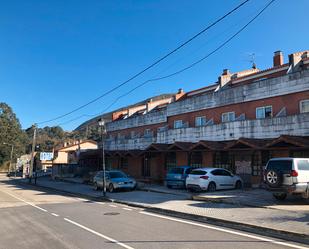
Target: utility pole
(11,158)
(102,125)
(32,153)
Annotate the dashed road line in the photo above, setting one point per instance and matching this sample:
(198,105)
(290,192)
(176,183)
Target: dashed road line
(99,234)
(112,206)
(56,215)
(225,230)
(128,209)
(27,202)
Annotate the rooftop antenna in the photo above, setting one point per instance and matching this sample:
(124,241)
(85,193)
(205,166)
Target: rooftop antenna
(252,60)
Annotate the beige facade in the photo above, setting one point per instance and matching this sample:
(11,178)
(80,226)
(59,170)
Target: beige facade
(68,154)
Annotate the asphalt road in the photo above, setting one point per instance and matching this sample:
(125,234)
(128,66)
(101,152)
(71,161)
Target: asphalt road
(32,218)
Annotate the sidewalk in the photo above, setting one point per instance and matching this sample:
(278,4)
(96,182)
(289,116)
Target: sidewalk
(286,222)
(255,198)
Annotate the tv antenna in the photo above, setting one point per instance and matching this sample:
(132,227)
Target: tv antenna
(252,60)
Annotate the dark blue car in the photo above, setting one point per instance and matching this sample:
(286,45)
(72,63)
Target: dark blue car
(176,177)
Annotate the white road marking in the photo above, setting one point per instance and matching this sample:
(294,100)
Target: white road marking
(55,214)
(226,231)
(113,206)
(99,234)
(27,202)
(129,209)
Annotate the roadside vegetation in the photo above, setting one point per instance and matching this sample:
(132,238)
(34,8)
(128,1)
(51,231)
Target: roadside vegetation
(11,133)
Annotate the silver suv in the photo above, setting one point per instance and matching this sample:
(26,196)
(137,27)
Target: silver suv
(287,176)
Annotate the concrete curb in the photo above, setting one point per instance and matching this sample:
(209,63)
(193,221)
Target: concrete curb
(264,231)
(167,193)
(220,200)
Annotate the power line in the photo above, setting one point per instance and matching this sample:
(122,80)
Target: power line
(191,65)
(150,66)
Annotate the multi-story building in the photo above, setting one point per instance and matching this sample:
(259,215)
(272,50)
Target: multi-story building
(238,123)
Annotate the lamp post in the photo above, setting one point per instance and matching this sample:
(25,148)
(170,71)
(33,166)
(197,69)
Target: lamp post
(11,157)
(32,153)
(103,131)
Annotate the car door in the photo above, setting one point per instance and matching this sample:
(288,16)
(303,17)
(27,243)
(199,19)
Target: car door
(228,179)
(217,178)
(223,179)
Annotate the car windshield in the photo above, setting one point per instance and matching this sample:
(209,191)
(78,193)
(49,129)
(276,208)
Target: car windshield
(116,175)
(198,172)
(176,171)
(284,166)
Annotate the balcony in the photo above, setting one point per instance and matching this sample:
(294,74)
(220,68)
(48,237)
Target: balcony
(295,125)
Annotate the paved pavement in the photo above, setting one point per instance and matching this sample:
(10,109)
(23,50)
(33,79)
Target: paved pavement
(256,198)
(275,219)
(33,218)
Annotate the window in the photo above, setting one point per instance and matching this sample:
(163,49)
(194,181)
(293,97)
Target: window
(303,164)
(198,172)
(170,161)
(228,117)
(264,112)
(282,166)
(178,124)
(304,106)
(196,159)
(148,133)
(200,121)
(124,163)
(256,167)
(220,172)
(133,134)
(176,170)
(117,174)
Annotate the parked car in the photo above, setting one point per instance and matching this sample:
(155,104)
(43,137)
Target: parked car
(211,179)
(88,177)
(115,180)
(176,177)
(287,176)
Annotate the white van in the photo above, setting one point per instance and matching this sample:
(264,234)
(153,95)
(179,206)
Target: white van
(287,176)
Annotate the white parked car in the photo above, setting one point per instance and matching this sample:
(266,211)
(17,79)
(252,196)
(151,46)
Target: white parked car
(287,176)
(211,179)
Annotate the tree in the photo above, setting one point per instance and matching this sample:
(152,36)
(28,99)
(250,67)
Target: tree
(11,133)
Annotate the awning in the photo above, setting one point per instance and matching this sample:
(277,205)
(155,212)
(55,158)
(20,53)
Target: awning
(184,146)
(289,141)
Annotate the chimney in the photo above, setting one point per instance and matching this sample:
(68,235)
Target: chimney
(179,94)
(278,58)
(225,72)
(225,77)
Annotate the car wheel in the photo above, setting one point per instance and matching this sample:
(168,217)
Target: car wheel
(273,178)
(280,196)
(211,187)
(95,185)
(168,186)
(238,185)
(111,188)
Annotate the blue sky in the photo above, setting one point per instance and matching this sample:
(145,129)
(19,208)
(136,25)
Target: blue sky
(57,55)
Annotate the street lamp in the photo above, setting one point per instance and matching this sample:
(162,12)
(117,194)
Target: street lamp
(11,158)
(103,131)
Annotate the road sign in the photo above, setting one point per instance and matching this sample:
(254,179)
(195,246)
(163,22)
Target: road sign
(46,156)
